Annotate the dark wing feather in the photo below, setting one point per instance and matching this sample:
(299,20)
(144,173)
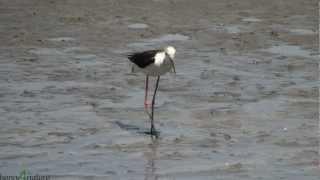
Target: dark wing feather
(143,59)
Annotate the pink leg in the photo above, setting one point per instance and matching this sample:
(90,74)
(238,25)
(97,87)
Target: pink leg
(146,94)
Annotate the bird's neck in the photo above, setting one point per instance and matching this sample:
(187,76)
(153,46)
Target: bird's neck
(159,58)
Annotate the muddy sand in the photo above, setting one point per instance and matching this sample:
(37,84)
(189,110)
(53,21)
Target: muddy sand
(243,104)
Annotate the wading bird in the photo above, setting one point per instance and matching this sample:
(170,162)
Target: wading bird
(153,63)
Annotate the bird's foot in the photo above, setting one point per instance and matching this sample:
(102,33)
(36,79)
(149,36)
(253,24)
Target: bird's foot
(153,133)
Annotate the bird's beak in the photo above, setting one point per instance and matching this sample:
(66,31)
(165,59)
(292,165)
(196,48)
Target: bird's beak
(173,67)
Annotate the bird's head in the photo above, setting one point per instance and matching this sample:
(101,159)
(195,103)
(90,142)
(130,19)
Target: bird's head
(171,51)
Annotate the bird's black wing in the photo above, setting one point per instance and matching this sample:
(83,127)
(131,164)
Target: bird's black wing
(143,59)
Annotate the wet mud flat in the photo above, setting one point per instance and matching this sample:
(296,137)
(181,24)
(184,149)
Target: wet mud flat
(243,104)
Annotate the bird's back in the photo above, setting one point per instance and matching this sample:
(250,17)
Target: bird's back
(143,59)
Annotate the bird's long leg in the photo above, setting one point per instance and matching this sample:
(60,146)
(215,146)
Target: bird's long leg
(146,96)
(153,129)
(146,92)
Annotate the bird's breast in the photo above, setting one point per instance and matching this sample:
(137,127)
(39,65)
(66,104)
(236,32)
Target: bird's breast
(157,70)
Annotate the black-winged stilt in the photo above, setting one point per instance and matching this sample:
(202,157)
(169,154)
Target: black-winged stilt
(153,63)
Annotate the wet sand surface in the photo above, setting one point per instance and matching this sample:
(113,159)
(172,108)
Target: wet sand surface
(243,104)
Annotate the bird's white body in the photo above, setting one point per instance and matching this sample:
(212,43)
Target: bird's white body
(161,65)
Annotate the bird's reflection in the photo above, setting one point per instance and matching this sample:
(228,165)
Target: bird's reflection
(150,169)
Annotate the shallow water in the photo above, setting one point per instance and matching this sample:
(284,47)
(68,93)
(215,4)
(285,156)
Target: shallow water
(302,31)
(138,26)
(241,106)
(289,50)
(156,42)
(251,19)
